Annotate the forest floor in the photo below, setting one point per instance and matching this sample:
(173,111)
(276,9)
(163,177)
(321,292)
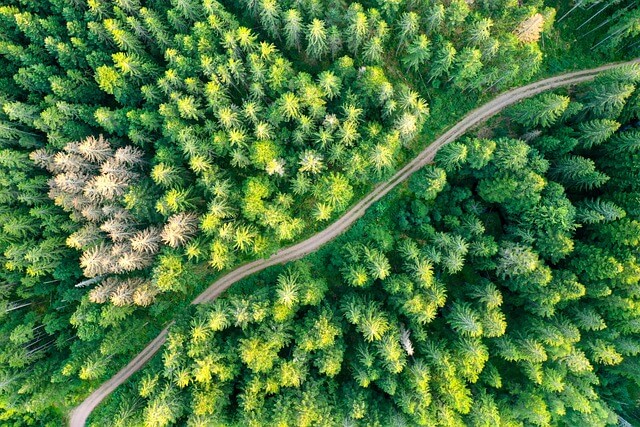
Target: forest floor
(80,414)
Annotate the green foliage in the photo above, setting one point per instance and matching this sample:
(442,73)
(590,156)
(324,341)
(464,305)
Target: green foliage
(235,127)
(451,298)
(543,110)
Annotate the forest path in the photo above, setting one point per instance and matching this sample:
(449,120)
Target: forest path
(80,414)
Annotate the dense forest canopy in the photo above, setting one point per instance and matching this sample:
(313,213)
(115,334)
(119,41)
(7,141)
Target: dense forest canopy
(499,287)
(146,146)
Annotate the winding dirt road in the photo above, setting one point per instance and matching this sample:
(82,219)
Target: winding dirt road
(81,412)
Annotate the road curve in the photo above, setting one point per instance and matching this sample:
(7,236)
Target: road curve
(80,414)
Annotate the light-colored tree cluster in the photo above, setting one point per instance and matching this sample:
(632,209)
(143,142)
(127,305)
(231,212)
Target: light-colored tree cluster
(90,178)
(530,29)
(124,292)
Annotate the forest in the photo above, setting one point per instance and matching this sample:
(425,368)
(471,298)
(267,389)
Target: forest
(149,147)
(499,287)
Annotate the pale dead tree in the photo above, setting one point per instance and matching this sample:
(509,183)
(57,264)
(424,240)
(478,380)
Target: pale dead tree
(72,147)
(42,158)
(95,150)
(122,295)
(530,29)
(85,237)
(119,169)
(111,165)
(131,261)
(101,293)
(405,340)
(136,282)
(115,211)
(117,229)
(122,214)
(179,229)
(115,225)
(109,186)
(92,212)
(69,162)
(128,155)
(119,248)
(124,292)
(146,241)
(70,182)
(96,261)
(117,251)
(110,261)
(145,294)
(91,192)
(80,202)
